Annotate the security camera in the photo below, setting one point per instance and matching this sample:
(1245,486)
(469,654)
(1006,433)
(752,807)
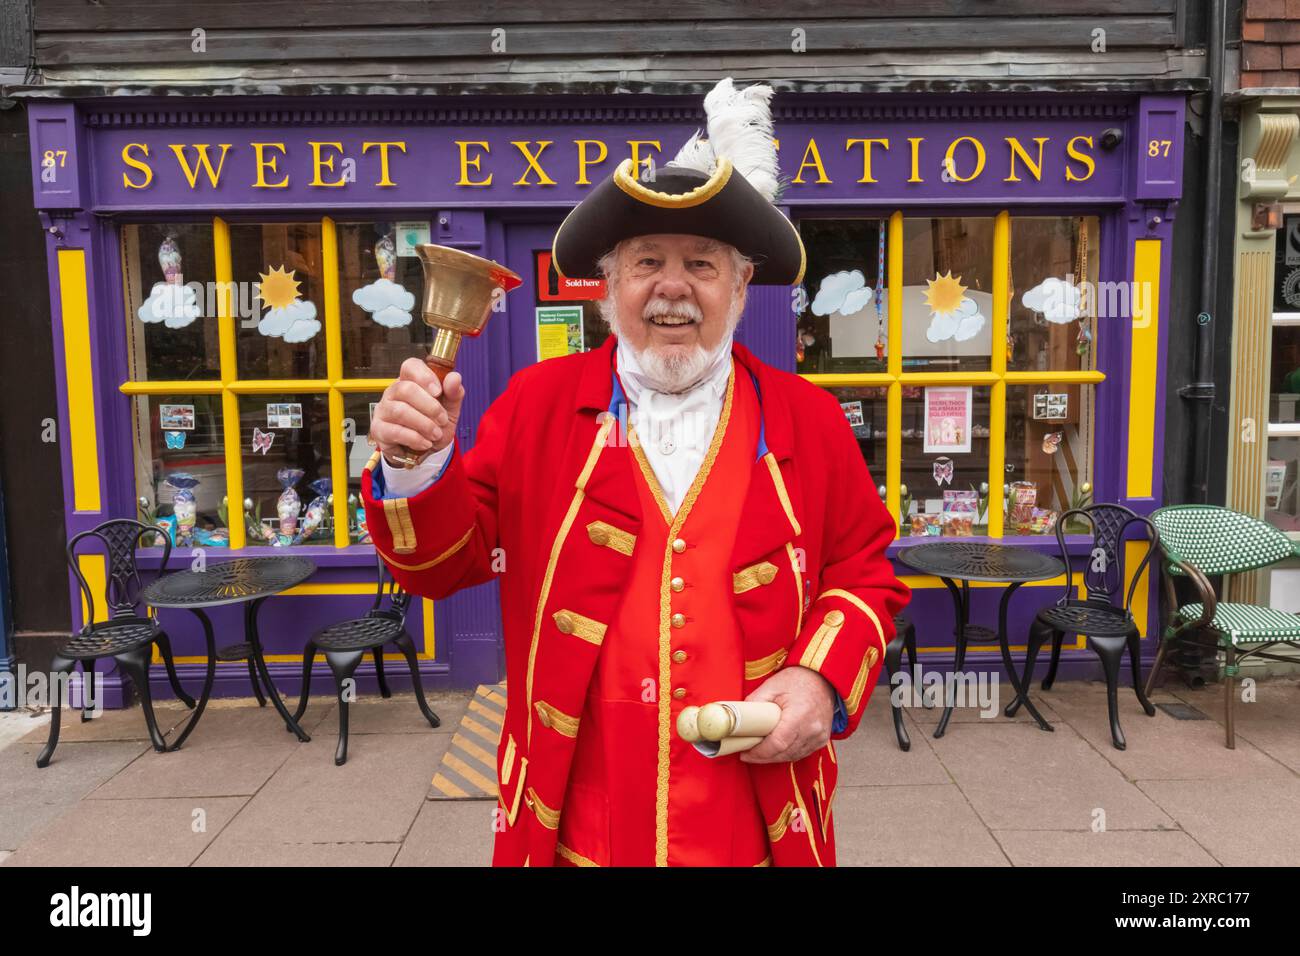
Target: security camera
(1111,138)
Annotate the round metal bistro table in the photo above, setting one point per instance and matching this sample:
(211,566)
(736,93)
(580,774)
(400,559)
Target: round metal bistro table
(247,581)
(955,561)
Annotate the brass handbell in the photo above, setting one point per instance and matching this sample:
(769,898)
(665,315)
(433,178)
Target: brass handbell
(459,291)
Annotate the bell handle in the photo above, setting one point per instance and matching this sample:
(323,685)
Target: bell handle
(406,457)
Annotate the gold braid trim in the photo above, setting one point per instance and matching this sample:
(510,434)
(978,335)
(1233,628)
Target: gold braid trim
(860,682)
(765,665)
(778,828)
(576,858)
(756,575)
(610,537)
(546,816)
(556,719)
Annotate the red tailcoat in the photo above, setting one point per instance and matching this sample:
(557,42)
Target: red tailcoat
(546,501)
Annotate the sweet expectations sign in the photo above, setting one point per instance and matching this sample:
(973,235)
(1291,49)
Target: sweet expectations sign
(1053,159)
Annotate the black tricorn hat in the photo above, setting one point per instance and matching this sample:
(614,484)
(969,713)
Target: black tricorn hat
(701,192)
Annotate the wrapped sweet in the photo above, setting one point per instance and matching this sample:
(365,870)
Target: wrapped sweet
(288,506)
(317,509)
(184,506)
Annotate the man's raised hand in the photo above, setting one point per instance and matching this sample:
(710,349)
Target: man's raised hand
(417,412)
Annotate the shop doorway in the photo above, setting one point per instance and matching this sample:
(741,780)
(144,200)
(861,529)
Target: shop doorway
(548,315)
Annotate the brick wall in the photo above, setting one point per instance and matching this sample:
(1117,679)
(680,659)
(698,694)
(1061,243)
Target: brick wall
(1270,43)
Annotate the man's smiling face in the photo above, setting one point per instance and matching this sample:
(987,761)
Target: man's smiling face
(674,299)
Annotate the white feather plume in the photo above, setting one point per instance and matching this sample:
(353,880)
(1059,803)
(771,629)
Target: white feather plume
(741,130)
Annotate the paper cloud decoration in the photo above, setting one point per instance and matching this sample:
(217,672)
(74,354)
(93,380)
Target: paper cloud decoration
(844,292)
(387,302)
(172,304)
(960,324)
(295,322)
(1055,300)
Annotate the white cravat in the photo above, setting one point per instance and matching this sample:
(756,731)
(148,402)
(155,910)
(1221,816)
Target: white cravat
(675,429)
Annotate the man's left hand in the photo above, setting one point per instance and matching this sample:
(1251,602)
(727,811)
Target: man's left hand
(807,703)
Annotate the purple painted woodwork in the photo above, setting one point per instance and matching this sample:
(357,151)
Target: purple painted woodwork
(1132,192)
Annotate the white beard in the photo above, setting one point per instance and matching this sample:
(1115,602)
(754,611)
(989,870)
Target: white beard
(674,369)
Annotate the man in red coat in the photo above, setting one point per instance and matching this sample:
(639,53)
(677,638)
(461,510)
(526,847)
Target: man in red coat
(672,522)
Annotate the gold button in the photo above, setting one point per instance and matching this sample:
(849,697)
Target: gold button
(834,617)
(678,584)
(680,656)
(679,545)
(767,575)
(679,693)
(679,620)
(597,536)
(565,623)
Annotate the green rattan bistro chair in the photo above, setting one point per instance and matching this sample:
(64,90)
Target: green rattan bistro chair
(1199,542)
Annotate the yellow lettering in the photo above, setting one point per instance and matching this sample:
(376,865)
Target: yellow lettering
(915,142)
(383,159)
(584,162)
(1035,167)
(136,164)
(192,174)
(866,155)
(320,163)
(264,164)
(636,145)
(1081,157)
(542,178)
(467,162)
(815,161)
(951,165)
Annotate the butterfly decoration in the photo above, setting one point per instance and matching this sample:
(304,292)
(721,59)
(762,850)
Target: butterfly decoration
(175,439)
(1052,442)
(262,441)
(943,471)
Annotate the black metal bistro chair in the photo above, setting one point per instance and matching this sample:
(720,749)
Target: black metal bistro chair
(345,644)
(904,639)
(1106,625)
(126,636)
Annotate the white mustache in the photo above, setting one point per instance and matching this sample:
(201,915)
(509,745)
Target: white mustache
(663,307)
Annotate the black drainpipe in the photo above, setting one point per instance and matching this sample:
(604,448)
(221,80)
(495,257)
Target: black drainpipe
(1201,391)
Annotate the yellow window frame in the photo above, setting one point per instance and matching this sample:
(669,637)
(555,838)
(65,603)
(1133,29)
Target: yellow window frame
(997,378)
(229,386)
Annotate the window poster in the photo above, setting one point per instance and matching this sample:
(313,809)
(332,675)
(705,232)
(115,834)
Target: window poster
(174,418)
(947,420)
(284,415)
(559,330)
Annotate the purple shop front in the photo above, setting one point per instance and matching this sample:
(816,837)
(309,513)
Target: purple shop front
(234,283)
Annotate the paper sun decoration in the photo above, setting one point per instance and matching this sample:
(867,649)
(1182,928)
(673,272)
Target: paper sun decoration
(952,315)
(287,316)
(171,302)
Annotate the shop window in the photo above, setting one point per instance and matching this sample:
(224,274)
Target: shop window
(962,437)
(274,398)
(843,323)
(947,294)
(945,447)
(278,299)
(1282,469)
(170,302)
(357,407)
(1055,298)
(867,410)
(1048,456)
(180,474)
(381,288)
